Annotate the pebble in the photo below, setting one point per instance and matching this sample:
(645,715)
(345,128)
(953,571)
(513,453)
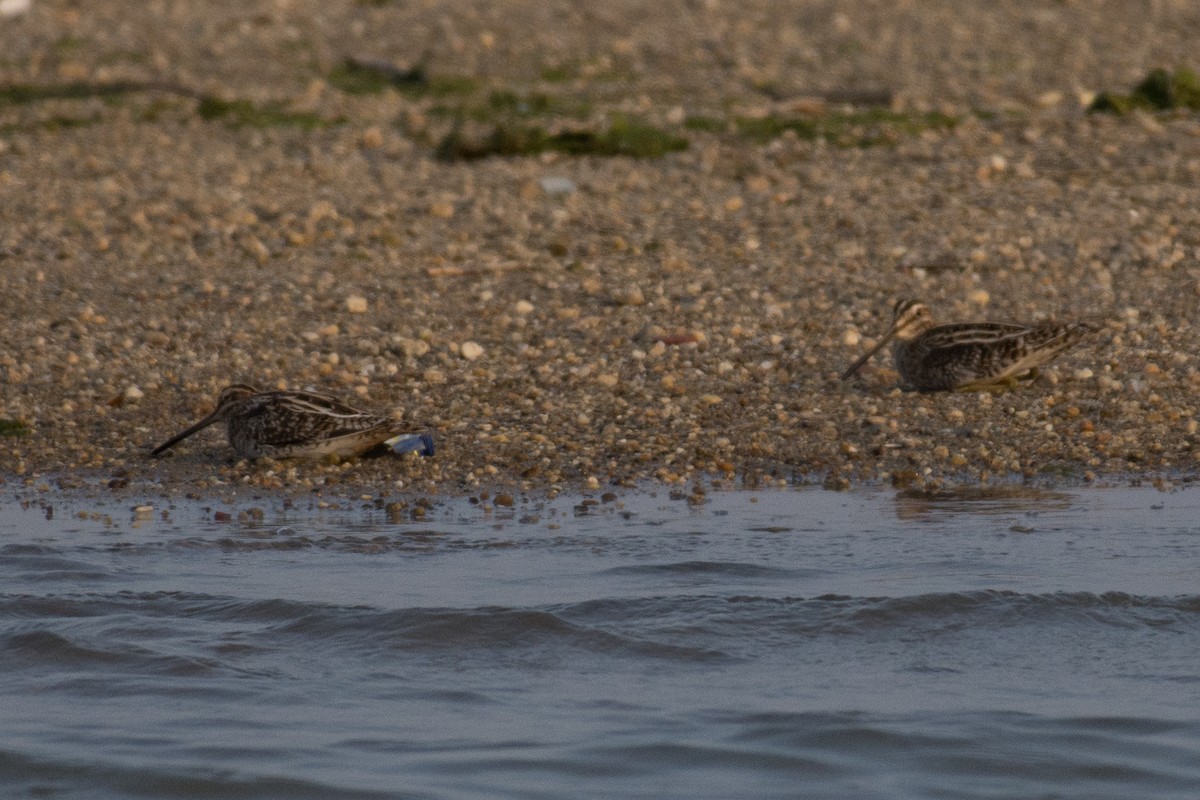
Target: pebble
(356,304)
(631,296)
(470,350)
(554,184)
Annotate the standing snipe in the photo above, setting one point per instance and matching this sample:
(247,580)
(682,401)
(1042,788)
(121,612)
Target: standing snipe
(969,356)
(292,425)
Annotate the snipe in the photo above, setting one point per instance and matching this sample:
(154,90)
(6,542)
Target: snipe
(291,425)
(969,356)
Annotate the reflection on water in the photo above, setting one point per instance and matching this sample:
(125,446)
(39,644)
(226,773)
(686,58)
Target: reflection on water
(1003,643)
(922,504)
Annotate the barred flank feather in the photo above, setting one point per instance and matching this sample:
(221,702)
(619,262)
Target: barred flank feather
(933,357)
(291,425)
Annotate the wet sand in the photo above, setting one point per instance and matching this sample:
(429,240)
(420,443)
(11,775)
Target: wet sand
(590,322)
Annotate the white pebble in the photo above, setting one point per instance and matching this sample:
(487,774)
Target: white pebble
(134,393)
(10,8)
(554,184)
(471,350)
(851,338)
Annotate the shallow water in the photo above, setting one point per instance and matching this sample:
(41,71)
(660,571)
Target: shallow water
(1010,644)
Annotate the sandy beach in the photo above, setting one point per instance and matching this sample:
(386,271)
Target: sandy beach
(298,194)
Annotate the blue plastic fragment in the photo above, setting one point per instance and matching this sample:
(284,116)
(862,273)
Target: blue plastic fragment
(412,442)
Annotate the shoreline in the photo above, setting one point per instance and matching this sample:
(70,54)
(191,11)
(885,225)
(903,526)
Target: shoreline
(401,504)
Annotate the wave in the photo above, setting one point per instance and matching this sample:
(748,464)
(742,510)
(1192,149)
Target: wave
(123,628)
(729,569)
(696,754)
(46,564)
(22,775)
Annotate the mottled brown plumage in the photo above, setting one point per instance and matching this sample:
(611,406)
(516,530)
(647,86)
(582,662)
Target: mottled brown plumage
(291,425)
(969,355)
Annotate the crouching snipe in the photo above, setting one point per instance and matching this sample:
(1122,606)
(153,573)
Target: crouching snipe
(969,356)
(295,425)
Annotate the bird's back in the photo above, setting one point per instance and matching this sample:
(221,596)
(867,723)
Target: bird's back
(286,424)
(955,356)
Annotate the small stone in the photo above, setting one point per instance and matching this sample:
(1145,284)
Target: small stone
(413,348)
(470,350)
(1050,98)
(356,304)
(554,184)
(630,297)
(441,210)
(979,297)
(321,210)
(523,307)
(256,249)
(133,393)
(851,338)
(1083,374)
(9,8)
(372,137)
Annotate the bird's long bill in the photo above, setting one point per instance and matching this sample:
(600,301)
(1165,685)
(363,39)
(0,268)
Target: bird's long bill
(179,437)
(887,337)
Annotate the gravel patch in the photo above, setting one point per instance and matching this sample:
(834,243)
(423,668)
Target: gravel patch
(585,322)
